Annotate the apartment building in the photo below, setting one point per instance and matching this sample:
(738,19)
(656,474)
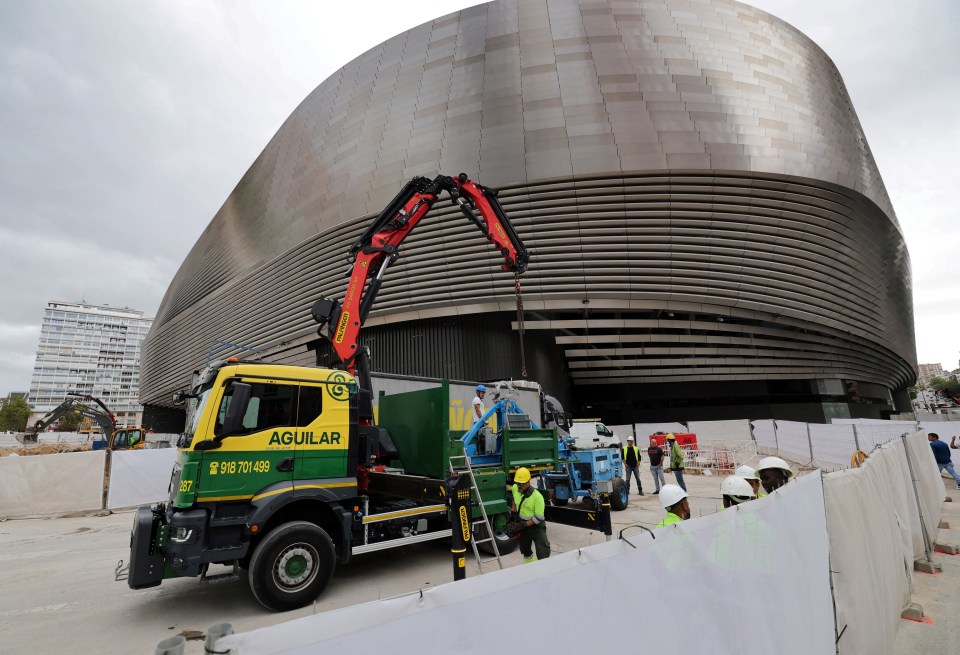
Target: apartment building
(92,349)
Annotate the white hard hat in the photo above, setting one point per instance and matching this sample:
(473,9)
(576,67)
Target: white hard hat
(670,495)
(774,463)
(734,485)
(746,472)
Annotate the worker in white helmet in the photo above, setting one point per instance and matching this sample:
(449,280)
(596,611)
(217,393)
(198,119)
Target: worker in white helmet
(674,500)
(774,473)
(735,490)
(750,475)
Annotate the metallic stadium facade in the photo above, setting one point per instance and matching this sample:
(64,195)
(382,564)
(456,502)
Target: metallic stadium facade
(710,236)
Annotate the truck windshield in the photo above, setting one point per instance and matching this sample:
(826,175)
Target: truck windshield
(195,407)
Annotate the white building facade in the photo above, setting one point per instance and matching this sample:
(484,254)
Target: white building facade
(92,349)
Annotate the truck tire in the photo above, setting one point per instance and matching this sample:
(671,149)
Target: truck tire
(291,565)
(505,543)
(620,497)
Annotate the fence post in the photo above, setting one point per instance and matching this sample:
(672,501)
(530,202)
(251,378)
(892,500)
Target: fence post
(916,494)
(856,437)
(107,468)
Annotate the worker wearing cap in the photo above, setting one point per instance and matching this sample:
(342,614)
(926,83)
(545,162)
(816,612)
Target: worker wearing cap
(750,475)
(478,408)
(674,500)
(774,473)
(735,490)
(676,460)
(631,465)
(528,503)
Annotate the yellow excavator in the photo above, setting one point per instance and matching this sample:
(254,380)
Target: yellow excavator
(94,409)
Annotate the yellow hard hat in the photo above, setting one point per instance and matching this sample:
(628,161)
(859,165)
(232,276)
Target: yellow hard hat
(522,476)
(670,436)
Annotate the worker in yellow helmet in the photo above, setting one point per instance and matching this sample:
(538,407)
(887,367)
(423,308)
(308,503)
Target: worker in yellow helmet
(674,500)
(529,504)
(676,460)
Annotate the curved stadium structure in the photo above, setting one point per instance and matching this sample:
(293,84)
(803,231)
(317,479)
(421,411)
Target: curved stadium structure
(710,236)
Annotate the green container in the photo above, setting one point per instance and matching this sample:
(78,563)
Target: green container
(419,423)
(493,490)
(535,449)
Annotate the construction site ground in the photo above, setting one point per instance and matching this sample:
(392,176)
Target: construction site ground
(59,593)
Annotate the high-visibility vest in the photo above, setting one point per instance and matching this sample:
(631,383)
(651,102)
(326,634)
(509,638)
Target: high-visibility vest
(531,507)
(670,520)
(636,452)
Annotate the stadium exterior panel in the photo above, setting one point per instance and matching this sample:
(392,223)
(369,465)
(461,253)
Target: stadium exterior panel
(710,236)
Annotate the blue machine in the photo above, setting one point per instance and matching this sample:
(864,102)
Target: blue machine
(583,474)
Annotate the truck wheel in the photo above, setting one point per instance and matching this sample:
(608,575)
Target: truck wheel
(505,543)
(291,566)
(620,496)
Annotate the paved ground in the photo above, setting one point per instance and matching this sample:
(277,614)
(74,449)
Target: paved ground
(59,594)
(938,594)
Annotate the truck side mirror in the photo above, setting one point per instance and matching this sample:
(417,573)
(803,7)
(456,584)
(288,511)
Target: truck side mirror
(240,399)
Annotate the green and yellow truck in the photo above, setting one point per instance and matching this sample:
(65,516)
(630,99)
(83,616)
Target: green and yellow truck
(276,475)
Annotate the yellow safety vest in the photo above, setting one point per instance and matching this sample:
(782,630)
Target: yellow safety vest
(670,520)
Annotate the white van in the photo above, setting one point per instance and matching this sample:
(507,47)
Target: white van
(593,435)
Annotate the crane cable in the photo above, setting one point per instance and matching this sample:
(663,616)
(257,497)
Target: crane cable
(523,355)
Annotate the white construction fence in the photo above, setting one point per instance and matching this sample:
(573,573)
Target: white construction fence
(735,581)
(745,580)
(65,483)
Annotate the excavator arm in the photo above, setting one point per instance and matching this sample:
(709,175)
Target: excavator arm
(378,247)
(103,416)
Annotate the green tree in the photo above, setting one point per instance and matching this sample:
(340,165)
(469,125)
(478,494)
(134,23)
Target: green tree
(14,413)
(945,384)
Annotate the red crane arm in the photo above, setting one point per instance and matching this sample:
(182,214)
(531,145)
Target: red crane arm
(379,246)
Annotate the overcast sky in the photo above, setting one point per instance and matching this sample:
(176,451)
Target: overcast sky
(125,125)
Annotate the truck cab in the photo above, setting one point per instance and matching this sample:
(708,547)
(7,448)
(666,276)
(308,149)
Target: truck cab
(265,479)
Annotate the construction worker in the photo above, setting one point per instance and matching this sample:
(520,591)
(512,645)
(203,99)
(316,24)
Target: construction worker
(529,504)
(631,464)
(478,408)
(674,500)
(676,460)
(774,473)
(750,475)
(735,490)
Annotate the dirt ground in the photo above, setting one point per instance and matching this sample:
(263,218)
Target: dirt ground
(44,449)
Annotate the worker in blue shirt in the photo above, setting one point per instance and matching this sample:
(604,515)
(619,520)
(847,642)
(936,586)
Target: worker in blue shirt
(941,452)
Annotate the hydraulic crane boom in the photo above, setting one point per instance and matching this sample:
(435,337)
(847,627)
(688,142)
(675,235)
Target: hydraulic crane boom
(103,416)
(378,247)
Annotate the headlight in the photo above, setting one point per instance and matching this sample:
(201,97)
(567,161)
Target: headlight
(181,535)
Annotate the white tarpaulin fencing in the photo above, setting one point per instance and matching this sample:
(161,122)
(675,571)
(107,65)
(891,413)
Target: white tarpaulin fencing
(792,440)
(687,591)
(765,434)
(644,430)
(833,445)
(140,477)
(48,485)
(875,536)
(726,431)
